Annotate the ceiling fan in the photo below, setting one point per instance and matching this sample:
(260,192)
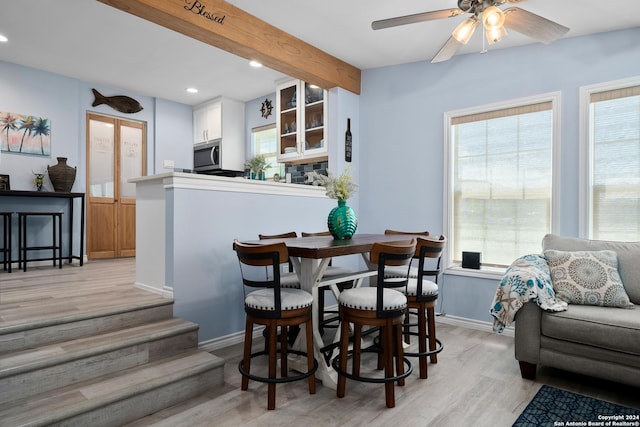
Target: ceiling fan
(493,19)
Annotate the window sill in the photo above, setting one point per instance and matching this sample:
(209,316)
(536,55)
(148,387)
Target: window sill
(484,272)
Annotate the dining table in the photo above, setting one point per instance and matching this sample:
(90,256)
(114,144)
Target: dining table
(310,257)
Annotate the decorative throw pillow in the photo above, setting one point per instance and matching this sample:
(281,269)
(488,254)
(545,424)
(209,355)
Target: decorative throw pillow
(588,278)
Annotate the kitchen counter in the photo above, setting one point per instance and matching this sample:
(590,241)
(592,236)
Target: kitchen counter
(221,183)
(185,227)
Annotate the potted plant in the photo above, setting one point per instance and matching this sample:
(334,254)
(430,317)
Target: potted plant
(258,164)
(342,220)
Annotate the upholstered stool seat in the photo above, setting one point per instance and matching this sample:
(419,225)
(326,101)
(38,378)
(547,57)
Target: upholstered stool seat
(382,308)
(366,299)
(429,288)
(289,280)
(291,299)
(268,303)
(392,272)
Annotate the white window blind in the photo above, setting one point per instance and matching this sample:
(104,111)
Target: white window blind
(502,162)
(615,164)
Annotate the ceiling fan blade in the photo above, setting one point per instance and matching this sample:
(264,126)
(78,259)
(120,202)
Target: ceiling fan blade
(532,25)
(447,50)
(412,19)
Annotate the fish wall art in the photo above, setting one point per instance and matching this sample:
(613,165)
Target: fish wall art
(121,103)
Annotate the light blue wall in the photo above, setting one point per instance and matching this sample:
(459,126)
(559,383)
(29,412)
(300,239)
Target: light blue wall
(398,132)
(173,135)
(402,109)
(65,101)
(202,225)
(253,117)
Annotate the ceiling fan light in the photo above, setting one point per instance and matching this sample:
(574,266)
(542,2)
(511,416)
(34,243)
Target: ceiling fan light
(494,35)
(464,30)
(492,17)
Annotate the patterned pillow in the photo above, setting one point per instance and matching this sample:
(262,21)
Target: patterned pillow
(588,278)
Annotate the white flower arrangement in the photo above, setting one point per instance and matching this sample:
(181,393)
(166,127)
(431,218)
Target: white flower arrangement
(340,188)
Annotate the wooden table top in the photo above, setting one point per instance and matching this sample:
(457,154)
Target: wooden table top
(318,247)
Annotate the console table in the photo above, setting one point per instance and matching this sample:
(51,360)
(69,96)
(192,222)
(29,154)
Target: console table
(70,197)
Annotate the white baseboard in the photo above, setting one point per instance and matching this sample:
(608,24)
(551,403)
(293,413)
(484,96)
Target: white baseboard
(238,337)
(166,291)
(227,340)
(472,324)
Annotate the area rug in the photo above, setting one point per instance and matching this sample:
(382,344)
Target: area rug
(555,407)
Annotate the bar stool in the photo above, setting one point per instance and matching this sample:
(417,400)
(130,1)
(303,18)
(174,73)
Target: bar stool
(288,279)
(422,295)
(268,303)
(56,244)
(6,233)
(383,308)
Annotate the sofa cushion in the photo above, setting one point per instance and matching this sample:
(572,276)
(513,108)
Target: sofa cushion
(587,277)
(604,327)
(628,255)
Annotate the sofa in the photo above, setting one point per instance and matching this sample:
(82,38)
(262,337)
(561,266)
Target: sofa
(595,340)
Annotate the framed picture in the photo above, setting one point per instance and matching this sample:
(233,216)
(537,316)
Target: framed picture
(23,134)
(4,183)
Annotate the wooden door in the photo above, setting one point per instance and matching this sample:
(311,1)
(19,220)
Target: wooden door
(115,153)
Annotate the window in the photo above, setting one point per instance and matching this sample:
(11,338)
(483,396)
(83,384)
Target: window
(500,179)
(612,161)
(263,141)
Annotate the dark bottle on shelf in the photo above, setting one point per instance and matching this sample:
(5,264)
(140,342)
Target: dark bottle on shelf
(347,142)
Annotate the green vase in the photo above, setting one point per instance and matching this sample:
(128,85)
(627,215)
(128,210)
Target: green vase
(342,221)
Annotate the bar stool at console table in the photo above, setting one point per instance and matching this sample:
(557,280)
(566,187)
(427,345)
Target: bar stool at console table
(6,240)
(56,244)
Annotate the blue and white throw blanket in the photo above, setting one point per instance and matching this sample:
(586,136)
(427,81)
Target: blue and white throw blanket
(527,278)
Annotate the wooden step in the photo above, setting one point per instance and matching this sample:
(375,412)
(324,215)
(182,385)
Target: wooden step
(121,397)
(48,367)
(73,317)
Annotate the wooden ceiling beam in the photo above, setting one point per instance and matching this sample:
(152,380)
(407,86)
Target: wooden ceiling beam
(220,24)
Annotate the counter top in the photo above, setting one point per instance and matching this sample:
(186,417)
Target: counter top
(222,183)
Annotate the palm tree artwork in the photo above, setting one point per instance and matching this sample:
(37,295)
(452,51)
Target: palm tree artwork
(8,123)
(25,134)
(41,130)
(27,126)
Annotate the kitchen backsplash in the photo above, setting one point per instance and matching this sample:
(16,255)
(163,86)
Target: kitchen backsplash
(298,172)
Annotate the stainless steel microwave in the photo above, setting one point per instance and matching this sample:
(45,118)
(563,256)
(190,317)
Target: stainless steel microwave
(206,156)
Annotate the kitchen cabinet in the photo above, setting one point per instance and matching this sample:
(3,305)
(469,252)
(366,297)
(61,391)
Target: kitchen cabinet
(301,121)
(207,122)
(222,119)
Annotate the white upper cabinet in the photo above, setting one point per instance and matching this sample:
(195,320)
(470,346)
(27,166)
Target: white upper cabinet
(222,119)
(207,122)
(301,121)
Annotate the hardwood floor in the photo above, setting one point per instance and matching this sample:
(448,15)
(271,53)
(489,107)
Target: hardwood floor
(475,382)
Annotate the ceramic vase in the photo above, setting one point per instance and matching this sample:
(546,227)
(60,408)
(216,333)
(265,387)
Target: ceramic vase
(342,221)
(62,176)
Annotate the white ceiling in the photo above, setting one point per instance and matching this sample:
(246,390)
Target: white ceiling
(96,43)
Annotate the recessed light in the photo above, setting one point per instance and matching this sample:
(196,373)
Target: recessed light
(192,90)
(255,64)
(3,38)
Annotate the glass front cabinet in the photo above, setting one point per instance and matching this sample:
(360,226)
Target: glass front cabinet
(301,121)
